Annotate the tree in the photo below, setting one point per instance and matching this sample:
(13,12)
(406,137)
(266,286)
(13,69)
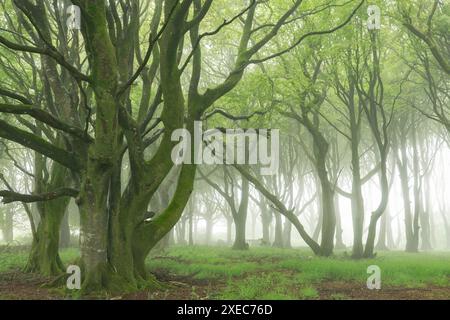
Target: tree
(429,29)
(105,124)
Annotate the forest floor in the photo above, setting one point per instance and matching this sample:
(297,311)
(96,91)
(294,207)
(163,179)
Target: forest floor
(259,273)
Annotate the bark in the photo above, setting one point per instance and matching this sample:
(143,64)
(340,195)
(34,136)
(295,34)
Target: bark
(287,234)
(278,241)
(191,227)
(382,237)
(425,219)
(115,239)
(65,231)
(413,245)
(181,232)
(281,208)
(146,235)
(7,225)
(377,118)
(321,148)
(404,180)
(389,233)
(44,257)
(266,218)
(370,242)
(229,229)
(339,241)
(357,203)
(240,217)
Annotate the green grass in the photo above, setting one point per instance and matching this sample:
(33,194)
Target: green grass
(271,286)
(17,260)
(270,273)
(9,261)
(309,293)
(398,268)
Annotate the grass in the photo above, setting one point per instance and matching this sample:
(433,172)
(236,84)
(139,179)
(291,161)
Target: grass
(270,273)
(309,293)
(17,260)
(270,286)
(398,268)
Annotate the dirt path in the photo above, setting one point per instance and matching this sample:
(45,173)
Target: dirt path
(349,290)
(21,286)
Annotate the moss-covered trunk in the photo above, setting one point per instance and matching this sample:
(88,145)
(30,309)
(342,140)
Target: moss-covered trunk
(148,233)
(44,256)
(65,231)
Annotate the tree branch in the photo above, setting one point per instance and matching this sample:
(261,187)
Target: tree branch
(11,196)
(38,144)
(46,118)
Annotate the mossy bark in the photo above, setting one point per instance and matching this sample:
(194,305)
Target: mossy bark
(44,256)
(65,231)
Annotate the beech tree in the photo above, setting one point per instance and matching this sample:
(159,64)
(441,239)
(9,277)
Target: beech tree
(133,75)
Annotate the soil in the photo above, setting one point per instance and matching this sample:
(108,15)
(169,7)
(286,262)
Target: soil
(22,286)
(351,290)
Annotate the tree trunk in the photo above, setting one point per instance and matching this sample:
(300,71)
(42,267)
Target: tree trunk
(316,232)
(65,231)
(8,225)
(209,229)
(229,229)
(381,244)
(328,212)
(403,173)
(287,234)
(240,218)
(357,215)
(339,242)
(8,231)
(278,241)
(266,218)
(357,201)
(239,238)
(44,257)
(181,232)
(191,226)
(425,217)
(370,243)
(389,233)
(414,245)
(446,228)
